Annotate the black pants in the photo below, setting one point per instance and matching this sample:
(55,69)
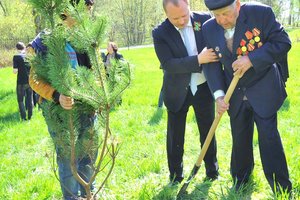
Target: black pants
(203,105)
(270,146)
(160,99)
(24,92)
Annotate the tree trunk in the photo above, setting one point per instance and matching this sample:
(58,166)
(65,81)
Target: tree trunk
(290,20)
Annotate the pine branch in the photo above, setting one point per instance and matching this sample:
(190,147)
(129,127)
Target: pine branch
(49,8)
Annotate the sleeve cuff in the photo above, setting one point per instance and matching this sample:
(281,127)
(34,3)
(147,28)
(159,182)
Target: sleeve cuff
(55,96)
(219,93)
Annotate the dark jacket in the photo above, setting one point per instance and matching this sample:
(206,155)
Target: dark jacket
(118,56)
(23,67)
(262,84)
(174,59)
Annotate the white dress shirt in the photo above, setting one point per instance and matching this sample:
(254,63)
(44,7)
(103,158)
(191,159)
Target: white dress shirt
(196,78)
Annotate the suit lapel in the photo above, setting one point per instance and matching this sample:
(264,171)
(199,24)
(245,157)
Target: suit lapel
(240,29)
(222,42)
(176,37)
(197,34)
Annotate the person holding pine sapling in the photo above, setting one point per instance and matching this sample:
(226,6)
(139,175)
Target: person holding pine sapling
(67,75)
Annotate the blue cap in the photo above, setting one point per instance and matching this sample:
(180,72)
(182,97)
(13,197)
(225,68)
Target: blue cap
(217,4)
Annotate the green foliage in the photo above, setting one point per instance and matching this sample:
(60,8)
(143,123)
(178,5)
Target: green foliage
(17,24)
(6,58)
(49,8)
(118,80)
(90,32)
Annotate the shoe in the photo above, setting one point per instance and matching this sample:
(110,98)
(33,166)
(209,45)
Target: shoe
(173,183)
(211,177)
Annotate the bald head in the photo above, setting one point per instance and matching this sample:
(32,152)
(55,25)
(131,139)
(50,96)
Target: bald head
(178,12)
(174,2)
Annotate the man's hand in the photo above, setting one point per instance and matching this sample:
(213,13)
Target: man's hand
(207,56)
(66,102)
(221,105)
(241,65)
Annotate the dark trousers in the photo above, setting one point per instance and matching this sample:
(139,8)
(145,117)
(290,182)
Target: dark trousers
(203,105)
(24,92)
(160,98)
(270,146)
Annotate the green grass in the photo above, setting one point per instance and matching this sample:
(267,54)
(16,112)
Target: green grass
(141,168)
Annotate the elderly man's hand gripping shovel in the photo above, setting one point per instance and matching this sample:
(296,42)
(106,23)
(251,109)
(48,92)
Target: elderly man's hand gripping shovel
(210,135)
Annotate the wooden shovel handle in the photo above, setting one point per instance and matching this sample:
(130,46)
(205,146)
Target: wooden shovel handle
(216,121)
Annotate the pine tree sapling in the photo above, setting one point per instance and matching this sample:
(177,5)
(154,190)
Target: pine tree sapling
(93,92)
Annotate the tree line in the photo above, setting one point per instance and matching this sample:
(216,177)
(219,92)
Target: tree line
(130,21)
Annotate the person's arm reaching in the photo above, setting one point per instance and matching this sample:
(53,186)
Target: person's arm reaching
(46,91)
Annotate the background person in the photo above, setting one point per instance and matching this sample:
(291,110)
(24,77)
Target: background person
(112,53)
(21,67)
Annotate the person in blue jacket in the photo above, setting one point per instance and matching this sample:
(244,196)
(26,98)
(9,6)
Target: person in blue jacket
(253,45)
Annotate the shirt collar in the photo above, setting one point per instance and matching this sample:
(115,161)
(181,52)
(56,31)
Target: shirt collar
(229,33)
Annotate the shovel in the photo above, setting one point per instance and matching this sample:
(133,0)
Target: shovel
(209,137)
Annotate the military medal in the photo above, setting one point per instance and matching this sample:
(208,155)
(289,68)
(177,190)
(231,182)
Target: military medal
(257,39)
(255,32)
(244,49)
(250,47)
(243,42)
(249,35)
(217,49)
(239,51)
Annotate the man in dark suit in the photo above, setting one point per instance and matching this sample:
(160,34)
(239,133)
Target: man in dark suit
(249,43)
(181,50)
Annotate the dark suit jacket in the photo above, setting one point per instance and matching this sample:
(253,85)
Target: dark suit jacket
(262,84)
(174,59)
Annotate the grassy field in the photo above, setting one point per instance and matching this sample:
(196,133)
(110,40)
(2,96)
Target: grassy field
(141,170)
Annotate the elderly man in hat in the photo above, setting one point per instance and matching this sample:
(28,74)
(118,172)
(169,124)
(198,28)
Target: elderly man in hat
(180,48)
(250,43)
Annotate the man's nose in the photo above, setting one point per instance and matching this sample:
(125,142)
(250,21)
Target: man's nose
(222,20)
(181,21)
